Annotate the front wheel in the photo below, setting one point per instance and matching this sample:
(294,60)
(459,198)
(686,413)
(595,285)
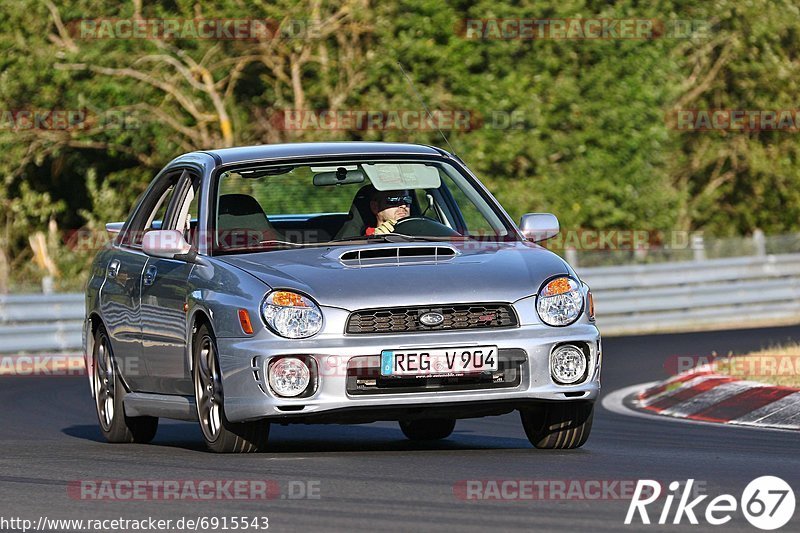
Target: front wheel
(558,425)
(221,435)
(109,392)
(430,429)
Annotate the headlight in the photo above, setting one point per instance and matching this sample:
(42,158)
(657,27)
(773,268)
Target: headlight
(289,376)
(291,315)
(559,302)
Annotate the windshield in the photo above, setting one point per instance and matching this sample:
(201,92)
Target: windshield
(286,206)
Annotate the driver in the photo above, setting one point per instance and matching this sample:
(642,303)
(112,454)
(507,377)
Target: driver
(389,207)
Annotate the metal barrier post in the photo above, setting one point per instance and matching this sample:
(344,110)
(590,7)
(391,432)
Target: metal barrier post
(760,243)
(699,247)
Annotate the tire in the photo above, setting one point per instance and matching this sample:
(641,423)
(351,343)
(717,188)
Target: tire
(558,425)
(220,435)
(109,391)
(429,429)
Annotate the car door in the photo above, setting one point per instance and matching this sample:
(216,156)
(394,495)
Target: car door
(122,291)
(165,292)
(119,306)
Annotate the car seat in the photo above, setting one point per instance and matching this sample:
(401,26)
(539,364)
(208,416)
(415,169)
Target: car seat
(360,216)
(241,222)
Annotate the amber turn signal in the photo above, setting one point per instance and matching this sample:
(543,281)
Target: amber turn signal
(557,286)
(287,299)
(244,320)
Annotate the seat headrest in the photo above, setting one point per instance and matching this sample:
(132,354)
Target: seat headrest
(361,204)
(239,205)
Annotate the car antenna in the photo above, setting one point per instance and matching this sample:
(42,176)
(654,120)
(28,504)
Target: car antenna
(422,101)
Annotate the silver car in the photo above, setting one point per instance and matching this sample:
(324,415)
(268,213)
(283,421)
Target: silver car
(335,283)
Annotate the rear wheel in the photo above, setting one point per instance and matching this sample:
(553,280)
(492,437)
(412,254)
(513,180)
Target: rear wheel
(221,435)
(429,429)
(109,393)
(558,425)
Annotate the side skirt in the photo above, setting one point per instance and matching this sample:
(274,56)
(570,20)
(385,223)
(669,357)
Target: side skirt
(160,405)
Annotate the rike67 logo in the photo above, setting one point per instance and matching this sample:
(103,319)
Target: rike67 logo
(767,502)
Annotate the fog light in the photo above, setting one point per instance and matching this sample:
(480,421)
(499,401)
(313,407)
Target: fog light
(289,376)
(568,364)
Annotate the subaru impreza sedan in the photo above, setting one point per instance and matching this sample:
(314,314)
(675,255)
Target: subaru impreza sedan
(335,283)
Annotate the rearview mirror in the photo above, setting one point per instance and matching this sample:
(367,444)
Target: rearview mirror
(539,227)
(341,176)
(165,243)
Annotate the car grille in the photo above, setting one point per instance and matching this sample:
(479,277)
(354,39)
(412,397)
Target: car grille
(407,319)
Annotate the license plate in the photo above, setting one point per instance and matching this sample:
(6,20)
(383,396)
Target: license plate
(438,361)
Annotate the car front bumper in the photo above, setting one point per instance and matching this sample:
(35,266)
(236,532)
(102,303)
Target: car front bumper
(247,395)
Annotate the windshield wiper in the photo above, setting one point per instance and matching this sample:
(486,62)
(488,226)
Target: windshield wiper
(286,243)
(262,246)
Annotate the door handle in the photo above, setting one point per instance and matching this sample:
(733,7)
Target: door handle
(113,268)
(150,275)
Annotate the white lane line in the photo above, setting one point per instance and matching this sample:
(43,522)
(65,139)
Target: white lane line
(791,403)
(782,413)
(614,402)
(795,420)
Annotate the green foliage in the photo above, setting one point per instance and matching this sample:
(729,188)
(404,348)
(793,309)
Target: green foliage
(573,127)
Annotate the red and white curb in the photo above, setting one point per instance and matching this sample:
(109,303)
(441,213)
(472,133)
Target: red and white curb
(703,396)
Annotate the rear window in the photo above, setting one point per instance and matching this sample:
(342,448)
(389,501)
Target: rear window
(291,193)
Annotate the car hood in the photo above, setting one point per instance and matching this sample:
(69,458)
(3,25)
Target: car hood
(457,273)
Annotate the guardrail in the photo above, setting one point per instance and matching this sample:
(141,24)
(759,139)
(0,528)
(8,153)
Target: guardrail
(693,295)
(632,299)
(39,323)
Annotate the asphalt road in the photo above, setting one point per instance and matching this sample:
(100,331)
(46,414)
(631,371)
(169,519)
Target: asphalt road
(370,478)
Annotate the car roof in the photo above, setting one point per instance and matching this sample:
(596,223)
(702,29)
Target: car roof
(281,151)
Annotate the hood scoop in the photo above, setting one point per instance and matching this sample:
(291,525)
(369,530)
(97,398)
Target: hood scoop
(397,255)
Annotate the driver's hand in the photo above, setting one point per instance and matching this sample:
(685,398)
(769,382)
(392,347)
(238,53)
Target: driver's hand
(386,227)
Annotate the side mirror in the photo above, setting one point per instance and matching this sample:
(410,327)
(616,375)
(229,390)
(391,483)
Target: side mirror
(167,244)
(539,227)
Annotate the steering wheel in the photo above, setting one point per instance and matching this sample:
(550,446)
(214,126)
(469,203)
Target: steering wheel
(423,226)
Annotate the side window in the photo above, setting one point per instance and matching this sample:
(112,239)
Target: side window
(427,204)
(155,220)
(158,216)
(153,212)
(478,221)
(187,214)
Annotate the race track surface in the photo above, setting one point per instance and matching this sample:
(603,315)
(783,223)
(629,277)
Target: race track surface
(371,478)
